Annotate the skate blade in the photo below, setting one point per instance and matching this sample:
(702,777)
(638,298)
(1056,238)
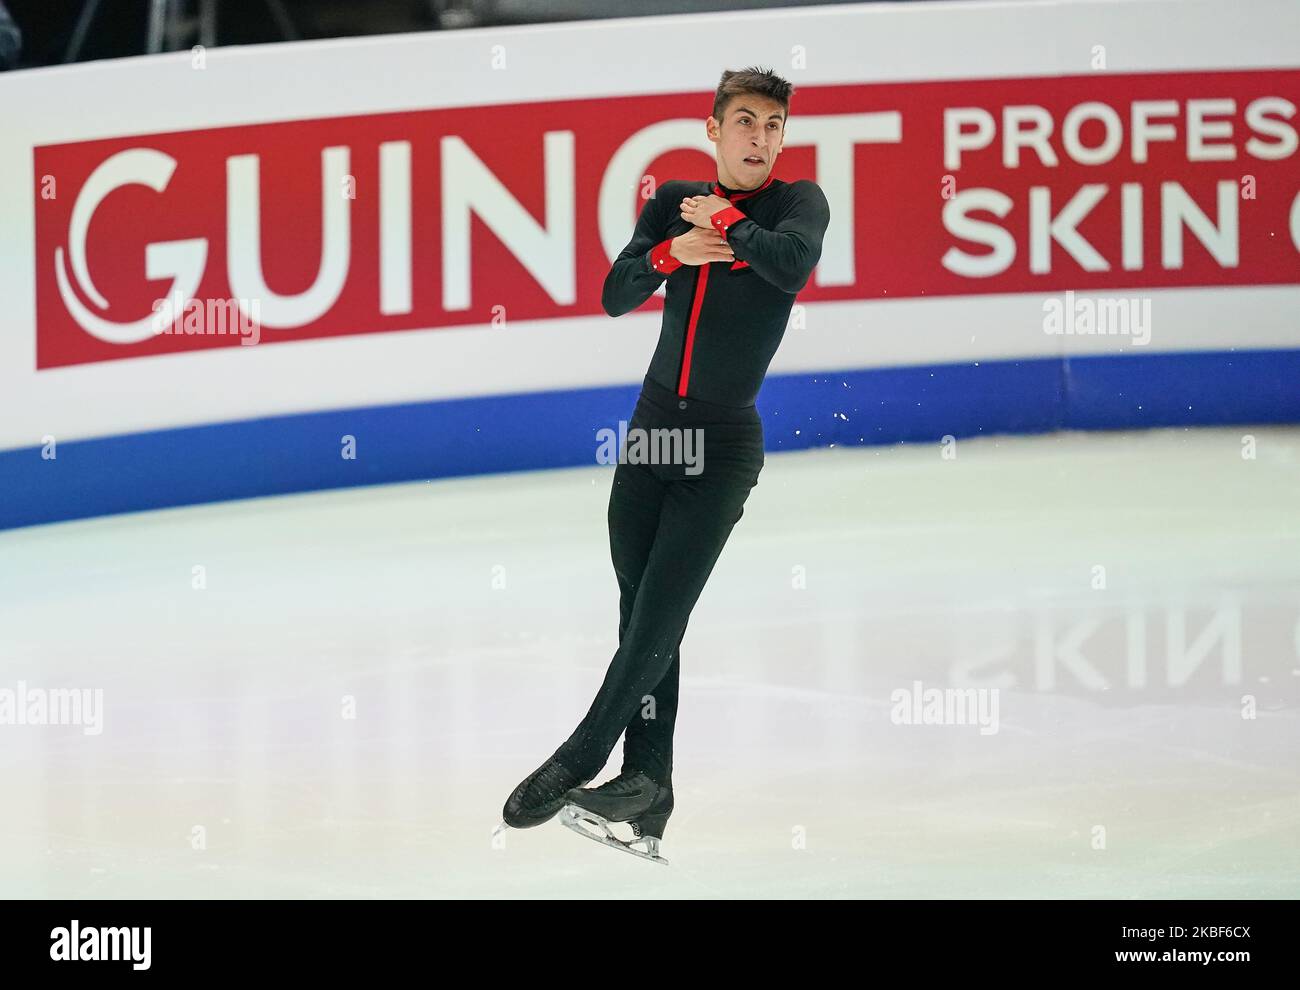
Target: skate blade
(578,819)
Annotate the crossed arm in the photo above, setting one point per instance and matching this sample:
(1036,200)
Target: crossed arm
(785,255)
(642,266)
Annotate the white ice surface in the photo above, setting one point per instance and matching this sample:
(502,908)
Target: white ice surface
(1123,765)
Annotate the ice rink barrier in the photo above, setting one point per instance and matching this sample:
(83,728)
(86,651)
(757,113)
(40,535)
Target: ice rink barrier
(403,239)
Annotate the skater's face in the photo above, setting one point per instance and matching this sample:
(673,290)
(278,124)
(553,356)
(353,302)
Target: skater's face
(748,138)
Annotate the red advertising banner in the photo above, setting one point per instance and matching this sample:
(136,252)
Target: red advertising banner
(437,218)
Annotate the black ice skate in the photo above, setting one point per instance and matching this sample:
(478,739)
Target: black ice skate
(541,795)
(630,797)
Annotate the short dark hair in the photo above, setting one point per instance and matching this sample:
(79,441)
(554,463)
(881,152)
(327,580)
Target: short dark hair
(756,80)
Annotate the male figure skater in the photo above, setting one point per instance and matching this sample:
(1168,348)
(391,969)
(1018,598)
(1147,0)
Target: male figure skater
(735,252)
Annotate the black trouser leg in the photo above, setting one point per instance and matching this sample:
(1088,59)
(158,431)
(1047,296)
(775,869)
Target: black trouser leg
(695,516)
(635,499)
(648,737)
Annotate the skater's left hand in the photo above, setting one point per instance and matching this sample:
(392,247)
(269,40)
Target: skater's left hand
(698,209)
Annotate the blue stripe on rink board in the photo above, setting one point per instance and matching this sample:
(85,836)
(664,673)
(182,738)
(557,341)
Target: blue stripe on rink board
(529,431)
(1201,389)
(926,403)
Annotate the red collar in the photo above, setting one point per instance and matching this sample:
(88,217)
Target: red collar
(718,191)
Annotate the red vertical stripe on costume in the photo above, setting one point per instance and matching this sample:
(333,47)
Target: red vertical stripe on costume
(699,290)
(690,329)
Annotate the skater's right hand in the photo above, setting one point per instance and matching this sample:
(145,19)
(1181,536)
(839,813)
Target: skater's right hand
(700,247)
